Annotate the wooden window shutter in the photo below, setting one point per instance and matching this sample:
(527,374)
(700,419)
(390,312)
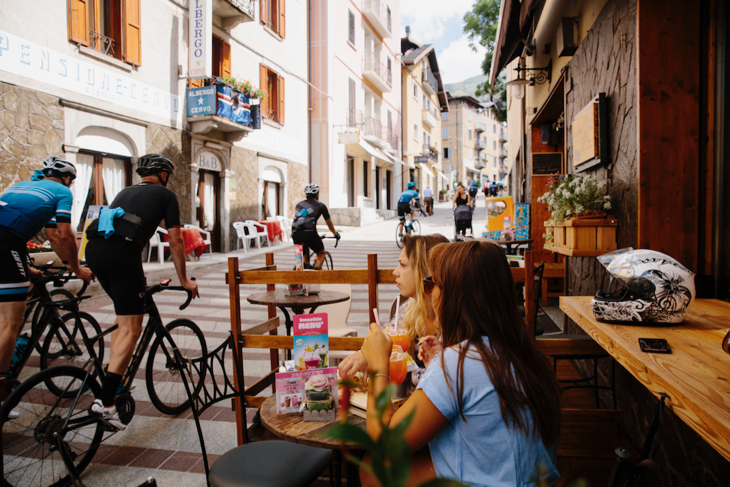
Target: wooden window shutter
(281,100)
(225,58)
(264,11)
(264,86)
(282,17)
(132,33)
(351,26)
(195,83)
(78,21)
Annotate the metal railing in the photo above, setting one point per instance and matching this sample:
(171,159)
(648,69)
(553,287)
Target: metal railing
(373,127)
(354,118)
(381,10)
(428,77)
(247,7)
(432,154)
(101,43)
(481,127)
(371,62)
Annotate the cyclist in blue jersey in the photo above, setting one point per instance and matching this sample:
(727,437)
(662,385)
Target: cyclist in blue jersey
(25,208)
(405,201)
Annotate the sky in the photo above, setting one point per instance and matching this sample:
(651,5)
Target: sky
(440,22)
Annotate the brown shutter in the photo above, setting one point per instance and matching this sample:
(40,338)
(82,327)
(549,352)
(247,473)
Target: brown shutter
(78,19)
(281,100)
(225,58)
(264,86)
(132,33)
(282,17)
(195,83)
(264,11)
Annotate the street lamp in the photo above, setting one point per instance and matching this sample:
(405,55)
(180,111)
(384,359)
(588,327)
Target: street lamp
(544,74)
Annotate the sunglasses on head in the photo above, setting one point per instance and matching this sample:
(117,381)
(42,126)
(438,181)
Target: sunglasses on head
(428,285)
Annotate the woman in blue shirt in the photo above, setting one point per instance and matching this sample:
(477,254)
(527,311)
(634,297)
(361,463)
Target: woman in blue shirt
(488,405)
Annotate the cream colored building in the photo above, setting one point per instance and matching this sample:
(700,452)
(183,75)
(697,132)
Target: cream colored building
(462,137)
(491,136)
(424,102)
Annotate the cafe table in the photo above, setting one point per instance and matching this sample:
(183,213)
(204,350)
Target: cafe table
(695,376)
(292,427)
(273,227)
(511,246)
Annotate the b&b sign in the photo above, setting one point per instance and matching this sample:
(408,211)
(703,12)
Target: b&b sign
(200,45)
(208,160)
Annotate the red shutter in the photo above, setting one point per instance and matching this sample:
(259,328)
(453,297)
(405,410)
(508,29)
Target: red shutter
(132,33)
(281,100)
(264,86)
(225,58)
(78,21)
(282,18)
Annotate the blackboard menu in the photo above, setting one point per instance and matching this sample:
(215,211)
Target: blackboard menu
(547,163)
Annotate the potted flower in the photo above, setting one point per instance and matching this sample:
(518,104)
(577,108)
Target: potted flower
(442,194)
(580,225)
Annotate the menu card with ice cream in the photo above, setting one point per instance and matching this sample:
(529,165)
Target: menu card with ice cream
(310,391)
(310,341)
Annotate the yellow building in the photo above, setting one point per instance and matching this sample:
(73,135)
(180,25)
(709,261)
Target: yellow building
(463,139)
(424,102)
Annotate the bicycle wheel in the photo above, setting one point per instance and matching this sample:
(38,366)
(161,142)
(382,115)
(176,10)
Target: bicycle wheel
(416,227)
(30,456)
(164,380)
(399,232)
(56,295)
(327,264)
(64,344)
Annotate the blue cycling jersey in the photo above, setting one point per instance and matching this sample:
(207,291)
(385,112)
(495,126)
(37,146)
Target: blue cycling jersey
(26,207)
(407,195)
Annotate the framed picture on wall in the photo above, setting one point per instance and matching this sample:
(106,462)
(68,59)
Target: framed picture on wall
(590,135)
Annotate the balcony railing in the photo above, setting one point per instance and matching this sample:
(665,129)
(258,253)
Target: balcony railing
(480,144)
(102,44)
(373,127)
(433,155)
(502,154)
(390,136)
(502,136)
(429,119)
(481,127)
(375,71)
(234,12)
(379,15)
(354,118)
(430,85)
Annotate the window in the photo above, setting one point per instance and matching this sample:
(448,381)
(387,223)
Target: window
(273,16)
(444,116)
(272,107)
(445,133)
(426,139)
(108,26)
(415,131)
(101,178)
(494,128)
(389,18)
(365,177)
(494,144)
(447,152)
(390,70)
(424,100)
(468,114)
(469,134)
(415,90)
(351,27)
(221,61)
(495,161)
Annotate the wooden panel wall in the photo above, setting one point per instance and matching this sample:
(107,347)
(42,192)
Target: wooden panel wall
(539,211)
(669,126)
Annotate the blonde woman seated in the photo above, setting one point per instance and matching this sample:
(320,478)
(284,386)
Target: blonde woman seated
(416,315)
(488,405)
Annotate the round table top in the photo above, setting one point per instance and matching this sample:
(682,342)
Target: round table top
(279,298)
(291,427)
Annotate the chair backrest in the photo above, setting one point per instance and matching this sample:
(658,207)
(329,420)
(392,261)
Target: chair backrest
(337,313)
(240,228)
(537,281)
(394,304)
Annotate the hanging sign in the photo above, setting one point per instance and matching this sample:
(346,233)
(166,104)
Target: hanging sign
(201,101)
(200,46)
(349,137)
(208,160)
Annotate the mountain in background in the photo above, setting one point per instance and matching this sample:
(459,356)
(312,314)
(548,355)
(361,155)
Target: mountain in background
(467,87)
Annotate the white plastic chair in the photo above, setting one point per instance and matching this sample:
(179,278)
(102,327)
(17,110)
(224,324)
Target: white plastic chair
(285,225)
(261,231)
(156,241)
(206,237)
(243,236)
(337,315)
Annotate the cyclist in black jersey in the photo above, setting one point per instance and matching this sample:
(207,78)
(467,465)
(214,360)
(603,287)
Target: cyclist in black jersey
(117,262)
(304,227)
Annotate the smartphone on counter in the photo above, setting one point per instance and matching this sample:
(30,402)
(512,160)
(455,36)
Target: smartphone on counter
(654,345)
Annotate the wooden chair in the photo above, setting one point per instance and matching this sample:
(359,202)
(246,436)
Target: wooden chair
(288,464)
(206,237)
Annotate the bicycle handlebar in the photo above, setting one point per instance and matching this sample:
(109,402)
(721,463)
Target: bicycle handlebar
(60,276)
(164,285)
(336,237)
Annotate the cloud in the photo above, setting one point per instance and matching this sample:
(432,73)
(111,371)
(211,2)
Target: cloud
(432,19)
(458,61)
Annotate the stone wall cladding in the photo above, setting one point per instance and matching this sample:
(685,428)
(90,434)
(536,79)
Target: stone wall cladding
(244,168)
(175,145)
(297,179)
(31,129)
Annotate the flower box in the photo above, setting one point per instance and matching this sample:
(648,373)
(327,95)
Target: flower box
(582,237)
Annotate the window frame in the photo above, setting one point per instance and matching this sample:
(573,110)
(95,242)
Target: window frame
(444,133)
(351,27)
(273,106)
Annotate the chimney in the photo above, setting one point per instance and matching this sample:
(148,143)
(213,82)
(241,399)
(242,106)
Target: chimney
(408,31)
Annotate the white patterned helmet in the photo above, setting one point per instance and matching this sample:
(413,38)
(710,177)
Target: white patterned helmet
(655,288)
(311,189)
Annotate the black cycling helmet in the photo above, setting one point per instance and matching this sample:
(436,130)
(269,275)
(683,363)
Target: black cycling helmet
(150,164)
(58,168)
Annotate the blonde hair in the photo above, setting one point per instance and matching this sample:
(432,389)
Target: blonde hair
(417,248)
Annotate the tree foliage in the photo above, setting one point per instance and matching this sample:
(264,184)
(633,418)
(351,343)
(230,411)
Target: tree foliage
(480,24)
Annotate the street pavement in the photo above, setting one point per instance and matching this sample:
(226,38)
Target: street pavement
(167,448)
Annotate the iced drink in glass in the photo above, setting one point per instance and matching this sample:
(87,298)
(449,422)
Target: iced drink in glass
(397,365)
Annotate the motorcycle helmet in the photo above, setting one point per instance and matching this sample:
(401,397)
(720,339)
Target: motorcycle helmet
(654,288)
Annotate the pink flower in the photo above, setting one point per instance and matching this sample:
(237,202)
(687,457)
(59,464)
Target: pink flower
(319,381)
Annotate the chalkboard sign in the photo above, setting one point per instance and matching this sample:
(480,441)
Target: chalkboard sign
(421,159)
(547,163)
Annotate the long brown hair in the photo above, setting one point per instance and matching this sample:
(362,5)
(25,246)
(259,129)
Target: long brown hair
(417,248)
(478,300)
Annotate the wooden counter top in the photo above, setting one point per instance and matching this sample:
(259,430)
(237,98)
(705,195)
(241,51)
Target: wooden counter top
(696,375)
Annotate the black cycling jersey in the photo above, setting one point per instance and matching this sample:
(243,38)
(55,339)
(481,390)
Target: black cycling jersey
(308,223)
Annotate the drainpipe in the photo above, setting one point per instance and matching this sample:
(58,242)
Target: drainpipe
(309,86)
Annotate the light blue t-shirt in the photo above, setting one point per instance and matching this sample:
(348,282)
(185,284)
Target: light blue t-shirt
(482,451)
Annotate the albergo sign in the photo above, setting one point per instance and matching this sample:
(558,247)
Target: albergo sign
(200,46)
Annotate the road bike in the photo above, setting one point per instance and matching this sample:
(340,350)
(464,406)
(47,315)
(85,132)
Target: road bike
(412,227)
(310,259)
(55,428)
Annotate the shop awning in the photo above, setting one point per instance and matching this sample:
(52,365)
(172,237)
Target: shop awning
(394,159)
(426,168)
(363,148)
(442,175)
(515,20)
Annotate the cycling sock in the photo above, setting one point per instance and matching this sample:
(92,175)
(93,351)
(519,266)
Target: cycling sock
(109,390)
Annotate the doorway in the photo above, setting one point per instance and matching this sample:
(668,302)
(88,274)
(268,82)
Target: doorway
(350,182)
(207,211)
(388,176)
(271,199)
(377,187)
(99,178)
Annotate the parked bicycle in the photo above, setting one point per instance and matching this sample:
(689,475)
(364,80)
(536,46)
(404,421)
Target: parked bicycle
(309,259)
(54,424)
(409,227)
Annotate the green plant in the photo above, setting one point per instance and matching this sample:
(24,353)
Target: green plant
(573,195)
(444,191)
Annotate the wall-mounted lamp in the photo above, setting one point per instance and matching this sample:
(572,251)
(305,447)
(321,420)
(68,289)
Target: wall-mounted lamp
(543,75)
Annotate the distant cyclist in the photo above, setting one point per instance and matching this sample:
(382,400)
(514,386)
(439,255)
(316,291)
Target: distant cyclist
(25,208)
(304,227)
(405,205)
(473,191)
(114,253)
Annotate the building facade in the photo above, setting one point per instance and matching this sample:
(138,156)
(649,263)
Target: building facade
(463,139)
(355,108)
(424,102)
(101,84)
(492,138)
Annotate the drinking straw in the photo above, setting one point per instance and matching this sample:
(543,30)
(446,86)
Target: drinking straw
(377,319)
(397,308)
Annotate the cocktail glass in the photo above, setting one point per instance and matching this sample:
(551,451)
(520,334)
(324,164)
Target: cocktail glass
(398,367)
(400,338)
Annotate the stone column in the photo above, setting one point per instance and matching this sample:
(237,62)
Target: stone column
(225,210)
(194,180)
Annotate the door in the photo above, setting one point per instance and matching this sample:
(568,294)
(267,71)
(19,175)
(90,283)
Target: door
(271,199)
(388,176)
(350,182)
(99,178)
(377,188)
(208,205)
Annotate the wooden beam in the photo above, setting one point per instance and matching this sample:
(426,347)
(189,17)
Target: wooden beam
(257,387)
(310,277)
(265,327)
(373,287)
(286,342)
(234,293)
